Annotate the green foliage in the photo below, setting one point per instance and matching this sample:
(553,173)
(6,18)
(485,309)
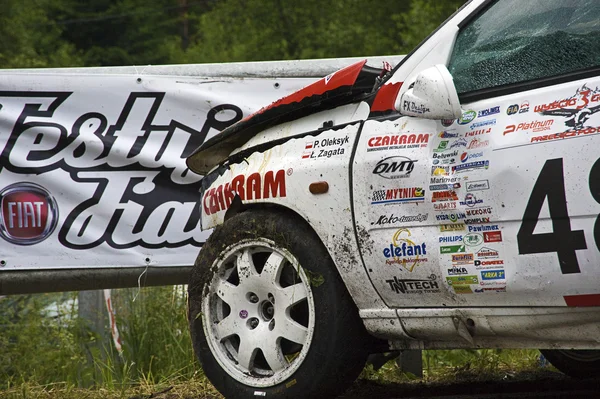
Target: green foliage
(55,33)
(47,351)
(29,38)
(42,341)
(423,18)
(452,365)
(478,362)
(36,347)
(154,330)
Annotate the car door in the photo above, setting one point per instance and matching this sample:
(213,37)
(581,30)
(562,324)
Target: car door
(499,207)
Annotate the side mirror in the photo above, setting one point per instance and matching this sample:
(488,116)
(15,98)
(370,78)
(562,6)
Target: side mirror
(431,96)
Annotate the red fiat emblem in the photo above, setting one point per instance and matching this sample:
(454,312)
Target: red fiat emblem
(28,213)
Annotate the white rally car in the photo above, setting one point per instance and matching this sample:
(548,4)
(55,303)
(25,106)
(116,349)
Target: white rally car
(451,202)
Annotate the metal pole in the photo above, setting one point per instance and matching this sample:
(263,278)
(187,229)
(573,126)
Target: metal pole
(92,315)
(411,361)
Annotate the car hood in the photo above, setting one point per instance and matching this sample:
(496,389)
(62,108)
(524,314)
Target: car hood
(341,87)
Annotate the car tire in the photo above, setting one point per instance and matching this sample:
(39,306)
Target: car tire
(269,314)
(575,363)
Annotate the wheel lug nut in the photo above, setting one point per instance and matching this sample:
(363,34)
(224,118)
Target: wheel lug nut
(252,297)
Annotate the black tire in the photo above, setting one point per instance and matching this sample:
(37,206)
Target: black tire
(574,363)
(339,345)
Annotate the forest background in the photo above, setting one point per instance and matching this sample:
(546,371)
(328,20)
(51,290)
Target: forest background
(75,33)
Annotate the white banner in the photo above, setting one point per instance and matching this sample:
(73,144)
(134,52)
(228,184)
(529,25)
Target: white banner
(92,170)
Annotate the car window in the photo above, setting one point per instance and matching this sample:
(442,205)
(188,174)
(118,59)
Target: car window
(517,41)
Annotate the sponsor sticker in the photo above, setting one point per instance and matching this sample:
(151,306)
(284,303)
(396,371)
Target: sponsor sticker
(480,229)
(255,186)
(450,239)
(414,286)
(440,196)
(471,200)
(445,155)
(411,106)
(566,135)
(478,132)
(462,280)
(497,274)
(440,187)
(444,179)
(486,210)
(490,289)
(452,249)
(467,117)
(398,196)
(392,219)
(473,239)
(444,206)
(457,271)
(486,252)
(482,263)
(477,220)
(442,146)
(465,156)
(478,185)
(440,170)
(492,236)
(405,252)
(463,259)
(397,141)
(452,227)
(458,143)
(462,289)
(488,112)
(453,217)
(479,124)
(533,126)
(448,135)
(477,143)
(395,167)
(471,166)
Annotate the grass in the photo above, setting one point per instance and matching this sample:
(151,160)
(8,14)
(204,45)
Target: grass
(194,388)
(47,351)
(453,365)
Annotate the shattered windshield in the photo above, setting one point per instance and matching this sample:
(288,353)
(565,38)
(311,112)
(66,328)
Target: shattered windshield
(516,41)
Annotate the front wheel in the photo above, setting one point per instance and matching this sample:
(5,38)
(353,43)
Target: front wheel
(269,315)
(575,363)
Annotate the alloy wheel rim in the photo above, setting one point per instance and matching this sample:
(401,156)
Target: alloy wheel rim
(259,314)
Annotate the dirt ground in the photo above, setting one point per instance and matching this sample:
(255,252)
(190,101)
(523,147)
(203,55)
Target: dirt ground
(540,384)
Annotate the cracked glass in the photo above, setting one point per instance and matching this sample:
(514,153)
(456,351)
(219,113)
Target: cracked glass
(517,41)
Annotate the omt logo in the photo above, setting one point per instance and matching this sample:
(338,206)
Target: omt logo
(28,213)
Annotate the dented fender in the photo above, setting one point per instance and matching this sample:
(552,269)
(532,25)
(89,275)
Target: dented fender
(281,176)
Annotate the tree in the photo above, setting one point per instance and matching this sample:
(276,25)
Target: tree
(423,17)
(29,38)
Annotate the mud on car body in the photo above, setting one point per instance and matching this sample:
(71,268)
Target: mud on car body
(451,202)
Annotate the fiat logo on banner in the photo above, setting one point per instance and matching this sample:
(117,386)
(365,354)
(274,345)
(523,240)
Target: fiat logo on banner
(28,213)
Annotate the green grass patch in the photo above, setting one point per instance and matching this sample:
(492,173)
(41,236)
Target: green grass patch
(47,351)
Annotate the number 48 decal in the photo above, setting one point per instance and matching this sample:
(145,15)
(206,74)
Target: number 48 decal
(564,241)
